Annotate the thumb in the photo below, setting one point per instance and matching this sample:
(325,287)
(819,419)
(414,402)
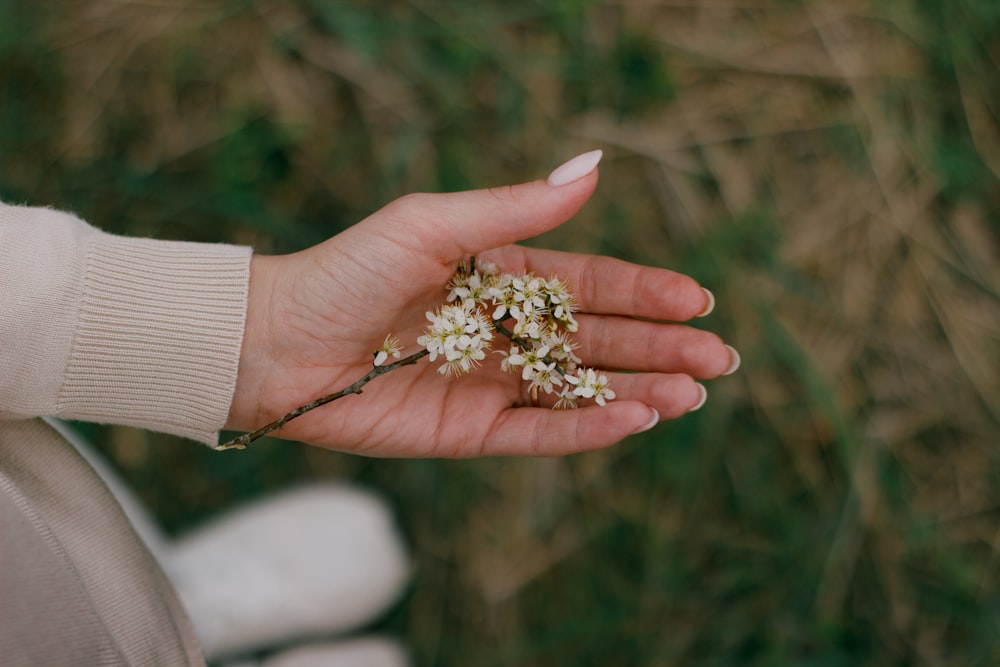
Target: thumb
(450,226)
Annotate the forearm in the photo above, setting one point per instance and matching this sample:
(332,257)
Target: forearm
(120,330)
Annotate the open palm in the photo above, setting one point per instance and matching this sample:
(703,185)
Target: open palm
(316,316)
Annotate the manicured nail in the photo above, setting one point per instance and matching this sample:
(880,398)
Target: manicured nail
(734,362)
(575,169)
(701,401)
(710,306)
(654,420)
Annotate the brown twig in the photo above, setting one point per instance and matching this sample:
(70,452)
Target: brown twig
(242,441)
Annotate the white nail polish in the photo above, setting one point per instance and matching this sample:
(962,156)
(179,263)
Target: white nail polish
(575,169)
(735,360)
(652,422)
(711,303)
(701,401)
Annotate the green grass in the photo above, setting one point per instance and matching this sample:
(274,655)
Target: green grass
(830,174)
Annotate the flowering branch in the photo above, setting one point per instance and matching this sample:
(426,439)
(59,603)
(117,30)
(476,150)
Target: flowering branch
(242,441)
(480,302)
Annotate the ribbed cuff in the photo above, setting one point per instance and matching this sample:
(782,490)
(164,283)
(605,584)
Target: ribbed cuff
(159,334)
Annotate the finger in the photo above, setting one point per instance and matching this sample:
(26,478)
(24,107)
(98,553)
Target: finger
(612,286)
(613,342)
(671,395)
(447,227)
(546,432)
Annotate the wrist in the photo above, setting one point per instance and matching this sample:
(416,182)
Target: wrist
(256,351)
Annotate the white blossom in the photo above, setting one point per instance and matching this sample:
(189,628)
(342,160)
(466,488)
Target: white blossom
(465,355)
(503,298)
(591,384)
(470,290)
(528,289)
(459,333)
(541,311)
(488,270)
(567,399)
(390,348)
(532,360)
(561,348)
(530,328)
(545,376)
(505,364)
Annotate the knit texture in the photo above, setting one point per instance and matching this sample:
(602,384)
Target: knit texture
(77,587)
(119,330)
(101,328)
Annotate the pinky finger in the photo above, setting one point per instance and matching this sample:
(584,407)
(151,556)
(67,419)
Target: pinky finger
(672,395)
(547,432)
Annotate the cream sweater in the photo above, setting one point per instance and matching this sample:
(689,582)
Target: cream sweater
(117,330)
(108,329)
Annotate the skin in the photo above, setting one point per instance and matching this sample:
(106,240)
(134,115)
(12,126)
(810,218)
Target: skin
(315,316)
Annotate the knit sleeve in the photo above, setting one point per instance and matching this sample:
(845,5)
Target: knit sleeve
(119,330)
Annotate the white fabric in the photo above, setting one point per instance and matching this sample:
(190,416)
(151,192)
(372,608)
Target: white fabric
(362,652)
(314,561)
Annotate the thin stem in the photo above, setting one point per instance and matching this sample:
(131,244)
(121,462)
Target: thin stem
(242,441)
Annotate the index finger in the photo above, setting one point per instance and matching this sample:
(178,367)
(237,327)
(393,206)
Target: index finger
(609,286)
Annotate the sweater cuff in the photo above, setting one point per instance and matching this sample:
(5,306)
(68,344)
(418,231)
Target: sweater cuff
(159,333)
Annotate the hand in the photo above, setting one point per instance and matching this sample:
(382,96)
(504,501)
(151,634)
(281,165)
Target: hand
(314,318)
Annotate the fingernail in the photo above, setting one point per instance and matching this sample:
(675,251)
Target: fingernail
(710,305)
(575,169)
(701,401)
(734,362)
(654,420)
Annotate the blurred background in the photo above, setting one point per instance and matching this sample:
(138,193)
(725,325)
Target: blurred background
(829,168)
